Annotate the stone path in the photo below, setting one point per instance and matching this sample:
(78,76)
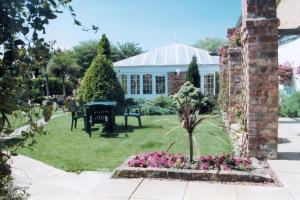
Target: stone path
(18,131)
(47,183)
(287,167)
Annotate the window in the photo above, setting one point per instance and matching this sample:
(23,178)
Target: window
(147,84)
(209,85)
(135,84)
(123,82)
(160,84)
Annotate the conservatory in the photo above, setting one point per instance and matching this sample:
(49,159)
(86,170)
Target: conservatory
(162,71)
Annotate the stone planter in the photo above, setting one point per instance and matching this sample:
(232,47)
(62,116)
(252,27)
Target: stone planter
(47,110)
(258,175)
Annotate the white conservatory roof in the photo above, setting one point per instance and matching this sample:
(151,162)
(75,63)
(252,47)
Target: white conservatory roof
(173,54)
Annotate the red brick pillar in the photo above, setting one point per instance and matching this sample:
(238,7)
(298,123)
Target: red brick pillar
(235,81)
(175,81)
(260,60)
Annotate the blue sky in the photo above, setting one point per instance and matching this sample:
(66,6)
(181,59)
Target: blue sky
(152,23)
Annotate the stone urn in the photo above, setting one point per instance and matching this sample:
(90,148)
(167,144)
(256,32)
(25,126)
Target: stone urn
(47,110)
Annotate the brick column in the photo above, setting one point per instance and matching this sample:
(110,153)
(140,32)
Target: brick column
(260,60)
(235,81)
(175,81)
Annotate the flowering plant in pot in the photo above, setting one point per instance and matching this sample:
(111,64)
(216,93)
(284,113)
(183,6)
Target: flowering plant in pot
(285,73)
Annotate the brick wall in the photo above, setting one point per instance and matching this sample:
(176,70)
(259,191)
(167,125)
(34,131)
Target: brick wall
(175,82)
(260,62)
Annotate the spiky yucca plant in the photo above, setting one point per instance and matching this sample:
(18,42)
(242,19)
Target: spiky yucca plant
(190,119)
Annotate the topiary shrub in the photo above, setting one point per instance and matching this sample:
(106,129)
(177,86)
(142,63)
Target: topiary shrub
(290,106)
(100,80)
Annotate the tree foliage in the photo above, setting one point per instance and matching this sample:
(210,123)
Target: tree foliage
(125,50)
(63,65)
(210,44)
(192,74)
(100,80)
(86,51)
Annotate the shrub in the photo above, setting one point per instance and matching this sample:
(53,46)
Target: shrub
(188,90)
(150,109)
(159,106)
(163,102)
(205,103)
(38,87)
(55,86)
(290,106)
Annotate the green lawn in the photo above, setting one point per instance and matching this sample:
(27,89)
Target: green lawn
(75,151)
(17,119)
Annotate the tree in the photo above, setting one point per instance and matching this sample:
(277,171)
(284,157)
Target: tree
(63,65)
(187,101)
(125,50)
(210,44)
(193,75)
(84,53)
(104,47)
(100,80)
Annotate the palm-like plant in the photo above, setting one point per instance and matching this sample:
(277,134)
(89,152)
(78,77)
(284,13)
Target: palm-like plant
(189,117)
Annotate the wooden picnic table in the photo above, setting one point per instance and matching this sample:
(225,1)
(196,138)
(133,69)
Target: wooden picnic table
(100,112)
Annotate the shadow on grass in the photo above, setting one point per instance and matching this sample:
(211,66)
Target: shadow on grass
(119,130)
(13,142)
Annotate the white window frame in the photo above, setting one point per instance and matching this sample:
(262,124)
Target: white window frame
(137,90)
(148,87)
(156,82)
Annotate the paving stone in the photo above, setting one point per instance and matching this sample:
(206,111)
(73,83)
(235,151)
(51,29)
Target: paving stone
(47,190)
(99,197)
(290,166)
(160,190)
(262,193)
(197,190)
(118,188)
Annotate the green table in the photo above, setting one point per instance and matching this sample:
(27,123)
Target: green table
(100,112)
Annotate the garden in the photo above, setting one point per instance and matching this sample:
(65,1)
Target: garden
(75,151)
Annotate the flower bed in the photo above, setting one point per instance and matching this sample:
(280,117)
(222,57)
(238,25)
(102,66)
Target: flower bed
(179,161)
(224,168)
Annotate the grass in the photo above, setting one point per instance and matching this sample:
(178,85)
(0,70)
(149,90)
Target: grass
(18,119)
(75,151)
